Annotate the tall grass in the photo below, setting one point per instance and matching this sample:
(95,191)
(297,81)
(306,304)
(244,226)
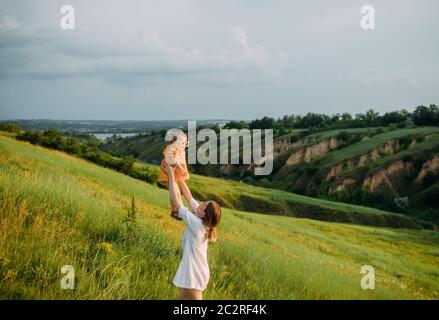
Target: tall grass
(57,210)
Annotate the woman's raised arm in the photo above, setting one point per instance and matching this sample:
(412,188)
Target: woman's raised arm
(176,202)
(185,191)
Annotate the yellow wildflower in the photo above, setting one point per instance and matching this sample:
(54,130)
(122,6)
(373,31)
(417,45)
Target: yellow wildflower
(105,246)
(117,270)
(3,260)
(11,274)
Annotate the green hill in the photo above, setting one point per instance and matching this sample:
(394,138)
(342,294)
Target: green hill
(369,144)
(387,168)
(241,196)
(60,210)
(146,147)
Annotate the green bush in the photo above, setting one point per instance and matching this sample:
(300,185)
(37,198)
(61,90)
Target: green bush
(10,127)
(428,198)
(343,136)
(430,179)
(405,141)
(264,182)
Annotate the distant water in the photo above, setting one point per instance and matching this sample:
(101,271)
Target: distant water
(103,136)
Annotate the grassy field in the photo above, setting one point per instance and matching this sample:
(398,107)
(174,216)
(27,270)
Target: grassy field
(56,210)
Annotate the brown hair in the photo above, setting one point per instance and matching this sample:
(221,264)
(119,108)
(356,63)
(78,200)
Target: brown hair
(211,219)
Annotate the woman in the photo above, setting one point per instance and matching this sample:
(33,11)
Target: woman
(193,273)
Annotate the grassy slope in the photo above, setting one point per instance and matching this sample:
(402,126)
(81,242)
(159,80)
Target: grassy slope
(368,145)
(243,197)
(256,199)
(149,148)
(363,147)
(319,136)
(429,144)
(57,210)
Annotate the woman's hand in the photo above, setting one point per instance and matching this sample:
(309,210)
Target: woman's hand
(168,168)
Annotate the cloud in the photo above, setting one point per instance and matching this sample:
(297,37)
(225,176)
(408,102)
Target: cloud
(8,23)
(228,59)
(42,54)
(408,75)
(241,55)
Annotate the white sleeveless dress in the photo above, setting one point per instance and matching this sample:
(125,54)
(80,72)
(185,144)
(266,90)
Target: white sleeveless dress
(193,272)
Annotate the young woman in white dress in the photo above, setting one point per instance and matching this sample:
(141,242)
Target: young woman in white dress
(193,273)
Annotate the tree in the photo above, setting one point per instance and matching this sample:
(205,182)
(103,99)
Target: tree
(372,117)
(34,137)
(236,125)
(426,116)
(10,127)
(264,123)
(312,119)
(395,117)
(125,164)
(346,117)
(52,138)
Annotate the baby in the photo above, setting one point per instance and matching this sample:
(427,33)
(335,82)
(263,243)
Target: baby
(174,154)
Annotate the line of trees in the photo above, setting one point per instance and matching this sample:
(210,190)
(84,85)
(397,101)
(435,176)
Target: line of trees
(87,148)
(422,116)
(10,127)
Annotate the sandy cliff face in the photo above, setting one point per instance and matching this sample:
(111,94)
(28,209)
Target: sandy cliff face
(343,185)
(298,144)
(363,160)
(429,166)
(388,148)
(281,146)
(335,171)
(310,153)
(384,179)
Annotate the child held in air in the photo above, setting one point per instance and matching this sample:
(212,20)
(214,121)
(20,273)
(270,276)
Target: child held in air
(175,155)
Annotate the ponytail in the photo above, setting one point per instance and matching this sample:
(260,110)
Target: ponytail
(211,219)
(211,234)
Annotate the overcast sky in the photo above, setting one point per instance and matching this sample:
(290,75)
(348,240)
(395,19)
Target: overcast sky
(229,59)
